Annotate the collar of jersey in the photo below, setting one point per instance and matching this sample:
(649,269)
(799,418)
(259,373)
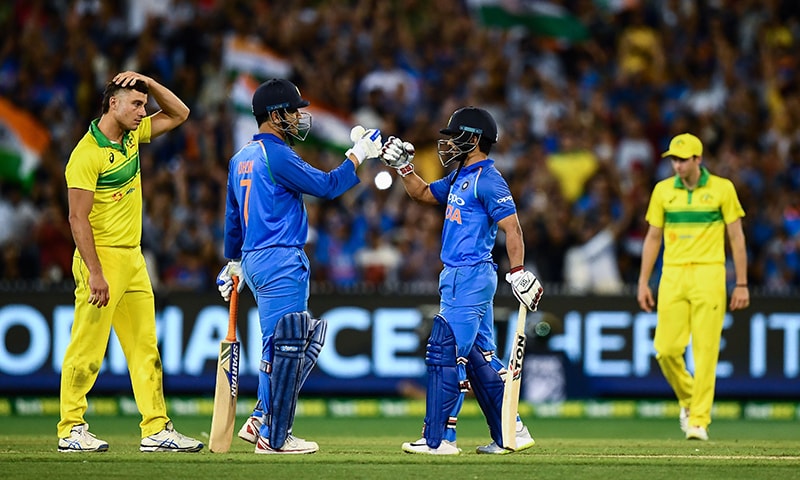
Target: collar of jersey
(103,141)
(267,136)
(700,183)
(477,165)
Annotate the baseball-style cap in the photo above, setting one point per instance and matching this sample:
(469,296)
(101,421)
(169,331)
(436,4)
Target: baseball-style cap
(275,94)
(684,145)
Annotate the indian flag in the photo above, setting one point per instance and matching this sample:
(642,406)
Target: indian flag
(329,129)
(542,17)
(250,55)
(23,141)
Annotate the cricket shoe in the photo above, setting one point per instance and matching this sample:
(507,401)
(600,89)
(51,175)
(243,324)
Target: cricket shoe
(684,419)
(696,433)
(81,440)
(292,445)
(524,442)
(250,429)
(421,446)
(169,440)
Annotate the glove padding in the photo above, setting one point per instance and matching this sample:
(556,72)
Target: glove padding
(225,279)
(366,143)
(398,155)
(526,288)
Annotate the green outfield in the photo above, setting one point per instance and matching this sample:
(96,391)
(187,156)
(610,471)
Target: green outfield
(369,448)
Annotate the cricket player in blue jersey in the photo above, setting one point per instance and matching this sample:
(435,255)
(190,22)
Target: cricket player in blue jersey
(266,227)
(461,348)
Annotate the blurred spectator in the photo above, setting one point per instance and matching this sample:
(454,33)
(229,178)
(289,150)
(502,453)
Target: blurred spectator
(566,110)
(378,259)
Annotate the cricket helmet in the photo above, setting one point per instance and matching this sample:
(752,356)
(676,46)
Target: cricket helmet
(465,123)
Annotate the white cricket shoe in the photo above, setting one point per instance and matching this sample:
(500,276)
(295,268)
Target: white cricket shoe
(292,445)
(81,440)
(696,433)
(249,431)
(169,440)
(421,446)
(524,442)
(684,419)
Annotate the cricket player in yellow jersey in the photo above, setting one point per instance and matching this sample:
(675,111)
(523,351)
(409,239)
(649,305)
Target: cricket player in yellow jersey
(692,211)
(112,286)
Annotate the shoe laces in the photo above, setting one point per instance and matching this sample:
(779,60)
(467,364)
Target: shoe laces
(292,440)
(83,431)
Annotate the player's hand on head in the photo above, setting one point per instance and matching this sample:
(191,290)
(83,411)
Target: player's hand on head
(128,78)
(366,143)
(225,279)
(526,287)
(398,154)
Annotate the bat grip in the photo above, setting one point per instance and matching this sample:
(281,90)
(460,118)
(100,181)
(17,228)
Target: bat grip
(521,318)
(233,313)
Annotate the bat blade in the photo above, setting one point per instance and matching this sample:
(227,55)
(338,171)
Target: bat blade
(227,386)
(513,383)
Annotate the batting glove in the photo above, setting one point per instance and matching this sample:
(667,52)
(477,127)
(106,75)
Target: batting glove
(225,279)
(398,155)
(526,287)
(366,143)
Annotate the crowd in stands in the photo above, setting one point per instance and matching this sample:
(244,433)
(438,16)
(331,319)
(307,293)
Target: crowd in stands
(582,125)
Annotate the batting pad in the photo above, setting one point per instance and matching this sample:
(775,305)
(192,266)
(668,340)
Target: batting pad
(289,350)
(443,394)
(483,372)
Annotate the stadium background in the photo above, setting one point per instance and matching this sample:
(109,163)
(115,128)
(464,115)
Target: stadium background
(586,96)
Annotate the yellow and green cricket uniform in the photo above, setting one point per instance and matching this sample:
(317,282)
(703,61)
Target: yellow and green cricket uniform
(112,171)
(691,295)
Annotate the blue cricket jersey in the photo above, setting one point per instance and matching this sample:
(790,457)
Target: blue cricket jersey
(477,200)
(264,205)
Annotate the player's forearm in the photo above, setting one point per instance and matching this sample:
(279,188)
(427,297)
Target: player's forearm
(515,245)
(649,253)
(84,241)
(516,252)
(170,104)
(418,189)
(739,253)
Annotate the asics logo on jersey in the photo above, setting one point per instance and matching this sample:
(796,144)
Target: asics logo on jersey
(505,199)
(453,198)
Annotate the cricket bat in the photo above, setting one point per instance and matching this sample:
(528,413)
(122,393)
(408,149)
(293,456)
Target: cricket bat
(227,389)
(513,382)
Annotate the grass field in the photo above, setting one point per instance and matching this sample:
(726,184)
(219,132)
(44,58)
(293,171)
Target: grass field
(369,448)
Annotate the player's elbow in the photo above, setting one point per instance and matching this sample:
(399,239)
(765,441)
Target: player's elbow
(183,114)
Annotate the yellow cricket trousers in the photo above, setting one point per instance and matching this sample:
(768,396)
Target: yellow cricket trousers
(131,311)
(691,303)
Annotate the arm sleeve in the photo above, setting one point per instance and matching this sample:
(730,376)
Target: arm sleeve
(731,207)
(234,234)
(655,210)
(296,174)
(145,129)
(494,194)
(441,188)
(83,169)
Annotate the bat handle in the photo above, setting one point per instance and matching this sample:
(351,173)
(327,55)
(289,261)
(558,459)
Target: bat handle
(234,310)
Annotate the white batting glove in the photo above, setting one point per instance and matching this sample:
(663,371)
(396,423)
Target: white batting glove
(225,279)
(366,143)
(526,288)
(398,155)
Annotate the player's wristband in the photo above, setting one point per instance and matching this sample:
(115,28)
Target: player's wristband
(516,269)
(743,285)
(405,169)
